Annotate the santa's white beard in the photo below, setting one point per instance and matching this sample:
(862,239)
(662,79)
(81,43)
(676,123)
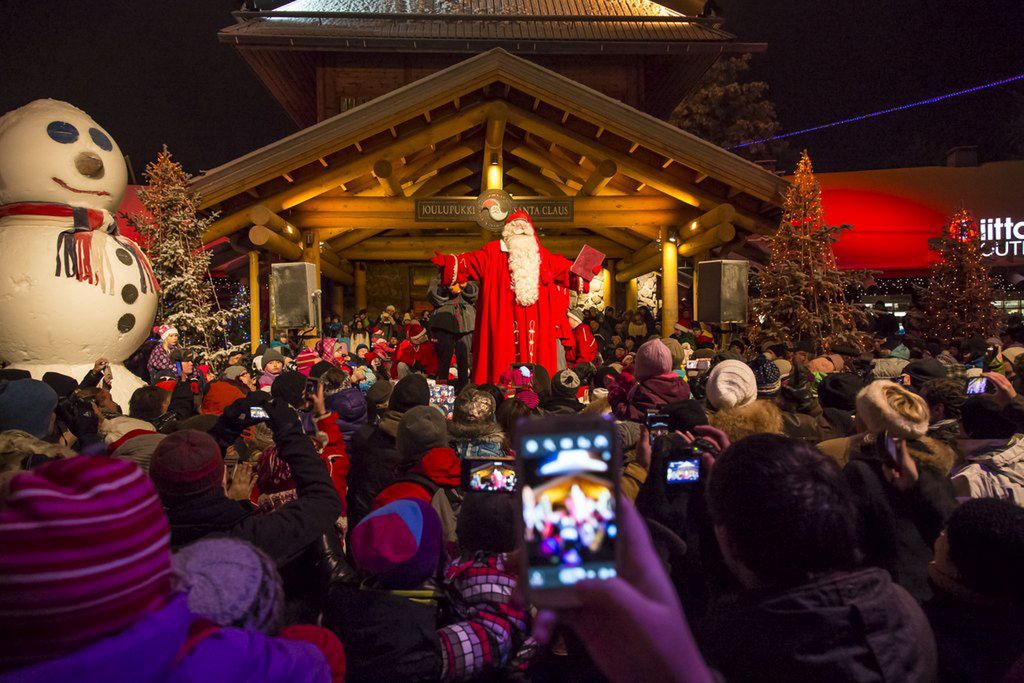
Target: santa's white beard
(524,266)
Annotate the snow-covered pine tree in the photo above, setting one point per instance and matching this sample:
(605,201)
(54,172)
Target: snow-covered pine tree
(803,292)
(957,303)
(172,233)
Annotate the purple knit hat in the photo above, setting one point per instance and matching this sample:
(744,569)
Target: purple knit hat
(652,359)
(86,553)
(399,544)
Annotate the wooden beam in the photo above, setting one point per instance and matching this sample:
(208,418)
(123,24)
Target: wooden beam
(644,222)
(272,242)
(422,248)
(548,162)
(653,177)
(360,287)
(542,185)
(353,237)
(330,178)
(332,272)
(492,173)
(441,181)
(609,283)
(723,213)
(642,254)
(635,270)
(710,239)
(600,177)
(261,215)
(621,236)
(401,208)
(327,255)
(445,157)
(389,181)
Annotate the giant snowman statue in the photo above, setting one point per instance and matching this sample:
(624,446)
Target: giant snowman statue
(72,289)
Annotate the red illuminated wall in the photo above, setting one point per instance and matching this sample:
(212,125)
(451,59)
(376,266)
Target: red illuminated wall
(894,212)
(890,233)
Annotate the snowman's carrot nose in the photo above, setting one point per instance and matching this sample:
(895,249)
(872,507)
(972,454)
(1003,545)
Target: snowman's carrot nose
(89,165)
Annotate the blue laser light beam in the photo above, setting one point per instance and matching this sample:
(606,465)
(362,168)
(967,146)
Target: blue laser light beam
(854,119)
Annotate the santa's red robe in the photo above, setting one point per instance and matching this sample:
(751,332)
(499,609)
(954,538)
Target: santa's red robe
(585,347)
(507,332)
(425,354)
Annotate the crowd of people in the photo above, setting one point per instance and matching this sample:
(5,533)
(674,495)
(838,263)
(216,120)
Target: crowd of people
(298,514)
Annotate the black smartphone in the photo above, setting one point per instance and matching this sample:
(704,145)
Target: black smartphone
(312,386)
(977,386)
(701,365)
(569,473)
(683,471)
(258,413)
(490,475)
(657,424)
(887,448)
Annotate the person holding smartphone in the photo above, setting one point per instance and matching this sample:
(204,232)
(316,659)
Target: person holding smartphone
(902,490)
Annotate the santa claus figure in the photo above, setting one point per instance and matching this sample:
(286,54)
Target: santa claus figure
(515,319)
(416,353)
(584,348)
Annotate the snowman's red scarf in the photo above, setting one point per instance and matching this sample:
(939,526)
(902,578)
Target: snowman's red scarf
(74,245)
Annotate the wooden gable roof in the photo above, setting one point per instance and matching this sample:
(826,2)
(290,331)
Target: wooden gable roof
(353,179)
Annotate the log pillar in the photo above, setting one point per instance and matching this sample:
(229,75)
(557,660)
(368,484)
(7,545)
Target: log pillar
(694,288)
(360,278)
(254,301)
(632,294)
(337,300)
(669,283)
(609,284)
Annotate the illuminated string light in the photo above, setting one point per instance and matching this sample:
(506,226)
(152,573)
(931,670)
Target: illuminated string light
(891,110)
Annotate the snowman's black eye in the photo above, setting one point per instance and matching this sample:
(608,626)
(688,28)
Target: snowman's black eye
(62,132)
(101,139)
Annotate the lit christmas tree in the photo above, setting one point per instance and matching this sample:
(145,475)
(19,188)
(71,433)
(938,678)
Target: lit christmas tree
(172,231)
(957,303)
(803,292)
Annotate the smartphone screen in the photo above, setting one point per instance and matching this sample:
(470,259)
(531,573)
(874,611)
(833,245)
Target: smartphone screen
(977,385)
(698,365)
(569,487)
(489,476)
(888,450)
(657,424)
(258,413)
(684,471)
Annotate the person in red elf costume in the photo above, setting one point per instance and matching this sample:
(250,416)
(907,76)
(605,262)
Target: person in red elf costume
(584,349)
(417,352)
(515,319)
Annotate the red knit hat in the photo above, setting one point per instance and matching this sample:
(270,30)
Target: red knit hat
(186,464)
(415,332)
(85,553)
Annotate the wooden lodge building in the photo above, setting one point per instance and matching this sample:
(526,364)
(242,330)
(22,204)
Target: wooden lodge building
(423,122)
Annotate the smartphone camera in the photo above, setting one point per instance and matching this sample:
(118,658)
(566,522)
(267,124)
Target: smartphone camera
(887,449)
(682,472)
(258,413)
(977,386)
(569,506)
(657,425)
(489,476)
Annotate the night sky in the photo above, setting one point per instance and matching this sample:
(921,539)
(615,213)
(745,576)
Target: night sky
(154,73)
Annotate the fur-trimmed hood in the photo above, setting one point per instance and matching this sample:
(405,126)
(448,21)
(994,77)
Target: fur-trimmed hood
(759,417)
(476,431)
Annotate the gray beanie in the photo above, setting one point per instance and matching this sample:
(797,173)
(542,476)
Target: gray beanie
(420,429)
(232,583)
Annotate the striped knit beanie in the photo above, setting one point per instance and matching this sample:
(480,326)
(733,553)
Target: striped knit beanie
(399,544)
(86,553)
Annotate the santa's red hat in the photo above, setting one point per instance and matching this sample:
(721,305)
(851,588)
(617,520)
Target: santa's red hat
(416,333)
(519,215)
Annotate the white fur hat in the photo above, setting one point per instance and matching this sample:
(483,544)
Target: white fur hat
(875,409)
(731,384)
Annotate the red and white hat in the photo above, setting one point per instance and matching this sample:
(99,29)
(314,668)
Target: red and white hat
(86,553)
(416,333)
(164,331)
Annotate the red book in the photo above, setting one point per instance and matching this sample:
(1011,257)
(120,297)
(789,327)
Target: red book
(588,259)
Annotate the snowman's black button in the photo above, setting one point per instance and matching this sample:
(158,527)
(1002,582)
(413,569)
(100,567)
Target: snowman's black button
(129,293)
(126,323)
(124,256)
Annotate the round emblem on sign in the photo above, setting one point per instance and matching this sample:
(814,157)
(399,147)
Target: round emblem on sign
(492,208)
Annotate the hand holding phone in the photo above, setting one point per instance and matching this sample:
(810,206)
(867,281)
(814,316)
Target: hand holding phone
(569,473)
